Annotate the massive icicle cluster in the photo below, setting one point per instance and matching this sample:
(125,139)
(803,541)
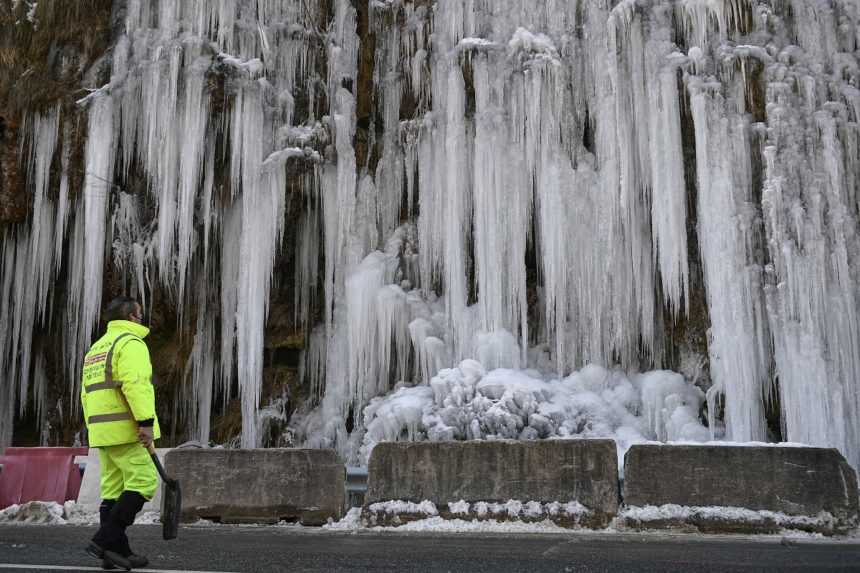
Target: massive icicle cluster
(526,184)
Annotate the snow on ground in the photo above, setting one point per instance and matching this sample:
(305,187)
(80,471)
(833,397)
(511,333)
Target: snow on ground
(48,513)
(471,403)
(71,513)
(79,514)
(399,507)
(462,526)
(674,511)
(512,508)
(353,522)
(434,523)
(350,522)
(52,513)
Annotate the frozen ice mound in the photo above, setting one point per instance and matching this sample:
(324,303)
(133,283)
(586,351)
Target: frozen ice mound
(470,403)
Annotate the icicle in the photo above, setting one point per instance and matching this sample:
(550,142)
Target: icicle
(40,396)
(699,15)
(312,365)
(63,201)
(74,287)
(194,119)
(502,211)
(739,353)
(362,286)
(86,291)
(7,308)
(202,362)
(162,159)
(339,198)
(631,124)
(667,185)
(455,207)
(307,266)
(389,172)
(263,205)
(231,233)
(34,262)
(338,187)
(44,141)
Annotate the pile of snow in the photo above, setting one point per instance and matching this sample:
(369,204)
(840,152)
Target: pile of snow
(41,512)
(516,509)
(397,507)
(673,512)
(490,526)
(350,522)
(512,508)
(433,522)
(469,403)
(70,513)
(81,514)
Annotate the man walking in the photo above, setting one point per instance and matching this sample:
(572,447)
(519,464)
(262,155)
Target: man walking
(119,409)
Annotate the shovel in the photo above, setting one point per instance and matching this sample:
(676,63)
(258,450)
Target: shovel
(171,499)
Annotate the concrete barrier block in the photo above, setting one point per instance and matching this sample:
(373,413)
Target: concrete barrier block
(260,485)
(739,488)
(571,482)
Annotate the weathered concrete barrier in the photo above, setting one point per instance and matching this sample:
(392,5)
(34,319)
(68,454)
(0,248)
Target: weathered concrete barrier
(571,482)
(259,486)
(739,489)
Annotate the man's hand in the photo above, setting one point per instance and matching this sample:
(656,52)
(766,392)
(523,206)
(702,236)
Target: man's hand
(144,434)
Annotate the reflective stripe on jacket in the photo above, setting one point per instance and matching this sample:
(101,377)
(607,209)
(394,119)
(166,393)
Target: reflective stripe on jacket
(116,388)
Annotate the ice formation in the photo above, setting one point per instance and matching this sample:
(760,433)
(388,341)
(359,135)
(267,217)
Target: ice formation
(485,189)
(469,403)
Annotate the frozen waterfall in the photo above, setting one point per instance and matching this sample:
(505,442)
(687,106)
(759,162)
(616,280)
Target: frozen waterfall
(509,215)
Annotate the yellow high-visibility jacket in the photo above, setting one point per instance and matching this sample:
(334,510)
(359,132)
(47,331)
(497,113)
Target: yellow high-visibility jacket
(116,388)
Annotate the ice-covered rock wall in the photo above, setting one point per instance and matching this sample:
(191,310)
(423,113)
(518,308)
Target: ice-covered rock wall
(528,185)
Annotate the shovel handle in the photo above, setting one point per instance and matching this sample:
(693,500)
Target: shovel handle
(158,466)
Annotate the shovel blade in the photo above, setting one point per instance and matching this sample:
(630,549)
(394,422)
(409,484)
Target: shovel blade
(171,508)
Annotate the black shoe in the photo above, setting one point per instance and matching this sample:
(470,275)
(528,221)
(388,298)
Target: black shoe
(116,560)
(115,518)
(136,561)
(94,550)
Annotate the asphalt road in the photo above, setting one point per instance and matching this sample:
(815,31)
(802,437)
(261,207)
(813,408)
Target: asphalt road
(246,549)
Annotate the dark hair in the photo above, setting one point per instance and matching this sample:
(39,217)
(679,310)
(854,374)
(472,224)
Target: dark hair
(120,308)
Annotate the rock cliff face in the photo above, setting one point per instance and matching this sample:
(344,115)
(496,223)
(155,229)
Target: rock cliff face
(317,200)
